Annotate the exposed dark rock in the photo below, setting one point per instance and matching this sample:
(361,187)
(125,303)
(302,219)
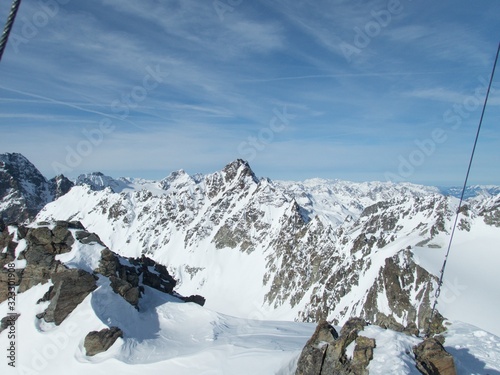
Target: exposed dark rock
(363,354)
(48,242)
(491,214)
(433,359)
(436,326)
(412,329)
(125,289)
(43,245)
(399,279)
(75,225)
(23,189)
(8,321)
(99,341)
(313,355)
(86,237)
(35,274)
(325,352)
(8,279)
(109,263)
(195,299)
(6,242)
(125,279)
(388,322)
(70,288)
(59,186)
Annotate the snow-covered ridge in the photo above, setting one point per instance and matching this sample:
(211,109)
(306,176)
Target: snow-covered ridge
(311,250)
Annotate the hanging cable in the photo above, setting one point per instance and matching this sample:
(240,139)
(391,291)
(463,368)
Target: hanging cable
(440,283)
(8,25)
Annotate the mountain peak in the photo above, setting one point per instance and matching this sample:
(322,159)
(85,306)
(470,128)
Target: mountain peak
(99,181)
(176,178)
(238,169)
(23,189)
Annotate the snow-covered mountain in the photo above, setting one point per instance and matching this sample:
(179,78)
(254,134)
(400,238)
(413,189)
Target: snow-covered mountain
(256,248)
(259,251)
(24,191)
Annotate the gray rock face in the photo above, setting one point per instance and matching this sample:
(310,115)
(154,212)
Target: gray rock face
(325,352)
(433,359)
(99,341)
(59,186)
(126,279)
(85,237)
(400,279)
(23,189)
(70,288)
(199,300)
(43,246)
(363,354)
(125,289)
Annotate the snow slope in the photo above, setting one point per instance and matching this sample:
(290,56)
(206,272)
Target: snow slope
(168,336)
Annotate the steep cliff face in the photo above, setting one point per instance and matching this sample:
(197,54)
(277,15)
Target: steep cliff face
(24,191)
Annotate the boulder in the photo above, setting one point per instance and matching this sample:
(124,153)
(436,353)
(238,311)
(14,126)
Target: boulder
(325,352)
(108,264)
(35,274)
(388,322)
(313,355)
(363,354)
(86,237)
(70,288)
(433,359)
(99,341)
(125,289)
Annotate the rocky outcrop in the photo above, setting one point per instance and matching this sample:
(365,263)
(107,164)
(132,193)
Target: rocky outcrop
(362,355)
(59,186)
(70,288)
(43,244)
(99,341)
(129,291)
(128,276)
(325,352)
(6,243)
(433,359)
(199,300)
(408,289)
(7,321)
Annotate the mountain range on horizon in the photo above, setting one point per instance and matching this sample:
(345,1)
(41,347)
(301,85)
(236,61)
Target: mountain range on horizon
(258,249)
(36,190)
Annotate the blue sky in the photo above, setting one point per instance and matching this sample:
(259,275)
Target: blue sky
(348,89)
